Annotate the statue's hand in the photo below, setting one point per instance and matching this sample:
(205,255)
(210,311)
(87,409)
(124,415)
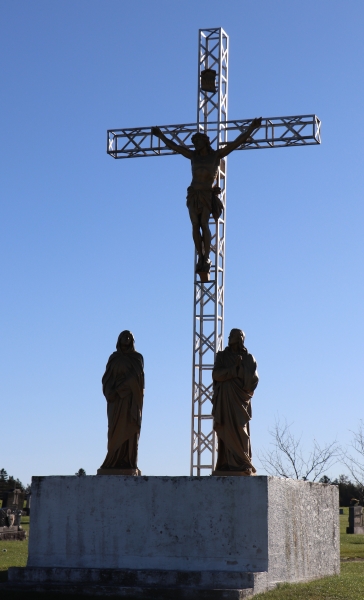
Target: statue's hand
(256,123)
(156,131)
(238,362)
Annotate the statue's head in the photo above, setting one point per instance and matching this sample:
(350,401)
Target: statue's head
(126,342)
(237,336)
(200,140)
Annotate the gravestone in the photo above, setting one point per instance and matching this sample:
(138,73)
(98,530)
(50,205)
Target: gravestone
(28,498)
(10,528)
(14,499)
(10,516)
(356,520)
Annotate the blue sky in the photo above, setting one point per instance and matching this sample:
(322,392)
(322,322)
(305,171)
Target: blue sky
(92,246)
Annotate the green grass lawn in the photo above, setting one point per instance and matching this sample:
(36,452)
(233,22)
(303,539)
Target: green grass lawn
(351,546)
(349,585)
(13,553)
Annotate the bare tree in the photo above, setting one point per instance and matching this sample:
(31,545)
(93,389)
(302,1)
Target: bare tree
(288,459)
(355,461)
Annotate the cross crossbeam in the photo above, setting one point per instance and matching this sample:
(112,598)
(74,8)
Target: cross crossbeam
(275,132)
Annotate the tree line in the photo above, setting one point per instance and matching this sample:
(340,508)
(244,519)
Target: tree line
(9,483)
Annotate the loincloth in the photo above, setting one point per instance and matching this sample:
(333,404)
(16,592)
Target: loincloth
(199,199)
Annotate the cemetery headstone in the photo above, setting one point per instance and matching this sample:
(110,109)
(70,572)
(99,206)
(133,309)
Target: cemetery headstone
(14,499)
(10,527)
(28,500)
(356,520)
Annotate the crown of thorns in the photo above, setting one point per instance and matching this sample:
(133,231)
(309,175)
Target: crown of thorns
(201,136)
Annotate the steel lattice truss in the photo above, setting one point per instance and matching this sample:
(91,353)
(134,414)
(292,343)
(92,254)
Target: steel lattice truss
(208,314)
(274,132)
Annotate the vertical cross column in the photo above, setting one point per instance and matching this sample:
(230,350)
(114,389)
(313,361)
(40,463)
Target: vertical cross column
(208,317)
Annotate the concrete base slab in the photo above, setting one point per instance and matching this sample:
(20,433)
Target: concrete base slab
(140,583)
(134,593)
(180,533)
(141,578)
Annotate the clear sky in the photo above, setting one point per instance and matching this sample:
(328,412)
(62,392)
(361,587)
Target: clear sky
(92,246)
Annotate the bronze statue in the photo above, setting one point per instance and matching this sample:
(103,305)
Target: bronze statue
(202,198)
(123,388)
(235,378)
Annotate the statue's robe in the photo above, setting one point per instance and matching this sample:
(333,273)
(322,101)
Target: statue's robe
(123,388)
(232,411)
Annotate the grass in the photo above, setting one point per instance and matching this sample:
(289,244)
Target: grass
(13,553)
(349,585)
(351,546)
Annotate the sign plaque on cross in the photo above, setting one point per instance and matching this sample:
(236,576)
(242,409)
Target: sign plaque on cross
(212,120)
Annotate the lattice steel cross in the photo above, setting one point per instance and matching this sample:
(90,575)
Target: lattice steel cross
(275,132)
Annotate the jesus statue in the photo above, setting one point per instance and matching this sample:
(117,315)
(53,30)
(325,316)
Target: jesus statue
(202,196)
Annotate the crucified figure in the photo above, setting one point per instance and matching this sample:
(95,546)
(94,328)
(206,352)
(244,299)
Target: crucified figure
(202,196)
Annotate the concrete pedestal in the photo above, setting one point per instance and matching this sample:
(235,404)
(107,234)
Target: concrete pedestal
(192,537)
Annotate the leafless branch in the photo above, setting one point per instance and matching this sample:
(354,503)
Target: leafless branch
(355,462)
(288,459)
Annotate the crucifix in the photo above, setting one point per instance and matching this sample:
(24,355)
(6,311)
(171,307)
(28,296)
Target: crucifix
(202,195)
(209,238)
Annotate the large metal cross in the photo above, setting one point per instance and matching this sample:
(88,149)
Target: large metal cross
(275,132)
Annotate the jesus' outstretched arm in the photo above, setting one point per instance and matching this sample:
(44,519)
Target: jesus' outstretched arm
(241,139)
(175,147)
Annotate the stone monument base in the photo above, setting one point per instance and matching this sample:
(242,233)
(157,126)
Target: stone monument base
(131,472)
(186,538)
(139,584)
(356,530)
(12,533)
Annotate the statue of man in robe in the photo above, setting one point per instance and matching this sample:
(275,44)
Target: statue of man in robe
(202,196)
(123,388)
(235,378)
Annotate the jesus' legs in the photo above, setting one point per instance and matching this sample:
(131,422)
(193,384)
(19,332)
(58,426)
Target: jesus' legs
(200,221)
(206,233)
